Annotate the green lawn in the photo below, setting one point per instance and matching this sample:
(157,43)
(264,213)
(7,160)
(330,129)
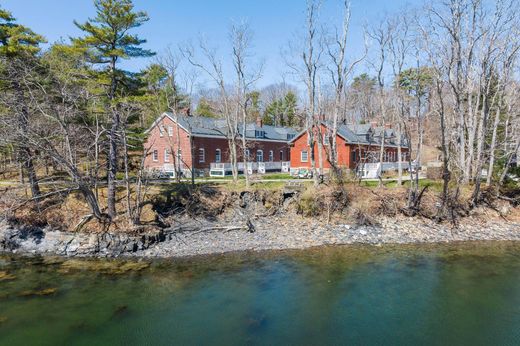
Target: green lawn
(435,185)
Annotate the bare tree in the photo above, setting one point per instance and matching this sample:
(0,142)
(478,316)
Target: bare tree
(340,70)
(400,45)
(306,68)
(214,69)
(381,35)
(241,36)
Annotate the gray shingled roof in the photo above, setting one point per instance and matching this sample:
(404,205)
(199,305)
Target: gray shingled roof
(365,134)
(198,125)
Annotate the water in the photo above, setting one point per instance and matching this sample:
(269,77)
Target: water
(457,294)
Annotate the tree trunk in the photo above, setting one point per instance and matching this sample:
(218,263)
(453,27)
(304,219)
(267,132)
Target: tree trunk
(399,154)
(112,155)
(112,167)
(493,147)
(25,156)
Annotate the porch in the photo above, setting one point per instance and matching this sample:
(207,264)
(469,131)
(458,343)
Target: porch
(221,169)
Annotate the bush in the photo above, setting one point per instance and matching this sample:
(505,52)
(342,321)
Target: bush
(323,200)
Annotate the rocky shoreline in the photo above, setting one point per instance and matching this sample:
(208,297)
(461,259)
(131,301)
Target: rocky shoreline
(271,233)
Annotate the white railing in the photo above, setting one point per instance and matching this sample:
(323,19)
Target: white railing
(373,170)
(221,168)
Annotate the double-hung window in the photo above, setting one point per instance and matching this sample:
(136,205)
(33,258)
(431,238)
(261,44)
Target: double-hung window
(166,155)
(155,155)
(271,156)
(202,155)
(304,156)
(218,155)
(259,156)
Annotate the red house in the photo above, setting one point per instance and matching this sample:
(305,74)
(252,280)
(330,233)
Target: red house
(359,143)
(186,144)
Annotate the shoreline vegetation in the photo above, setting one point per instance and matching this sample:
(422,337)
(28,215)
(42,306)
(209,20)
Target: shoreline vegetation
(183,221)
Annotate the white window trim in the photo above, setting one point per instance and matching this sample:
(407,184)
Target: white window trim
(202,158)
(161,130)
(259,151)
(282,155)
(307,156)
(271,156)
(155,155)
(325,139)
(166,155)
(170,131)
(218,157)
(248,154)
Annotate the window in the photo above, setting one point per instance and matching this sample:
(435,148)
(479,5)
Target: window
(166,155)
(259,156)
(281,155)
(304,156)
(170,131)
(161,131)
(155,155)
(325,139)
(247,154)
(218,155)
(179,155)
(202,155)
(290,136)
(271,156)
(259,134)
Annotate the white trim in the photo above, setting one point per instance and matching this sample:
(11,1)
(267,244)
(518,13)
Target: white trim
(281,157)
(170,131)
(155,155)
(202,158)
(219,156)
(271,156)
(259,151)
(161,130)
(154,124)
(307,156)
(176,122)
(166,155)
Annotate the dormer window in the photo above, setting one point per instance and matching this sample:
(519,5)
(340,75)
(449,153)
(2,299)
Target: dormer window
(259,134)
(290,136)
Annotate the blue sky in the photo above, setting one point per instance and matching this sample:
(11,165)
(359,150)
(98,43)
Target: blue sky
(274,23)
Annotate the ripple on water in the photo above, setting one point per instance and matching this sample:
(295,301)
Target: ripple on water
(451,294)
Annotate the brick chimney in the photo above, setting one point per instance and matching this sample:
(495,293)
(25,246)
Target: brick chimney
(259,122)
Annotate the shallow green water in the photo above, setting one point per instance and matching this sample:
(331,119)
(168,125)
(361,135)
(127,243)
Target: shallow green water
(458,294)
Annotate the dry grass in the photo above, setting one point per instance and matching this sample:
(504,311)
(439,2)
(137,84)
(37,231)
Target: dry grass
(351,202)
